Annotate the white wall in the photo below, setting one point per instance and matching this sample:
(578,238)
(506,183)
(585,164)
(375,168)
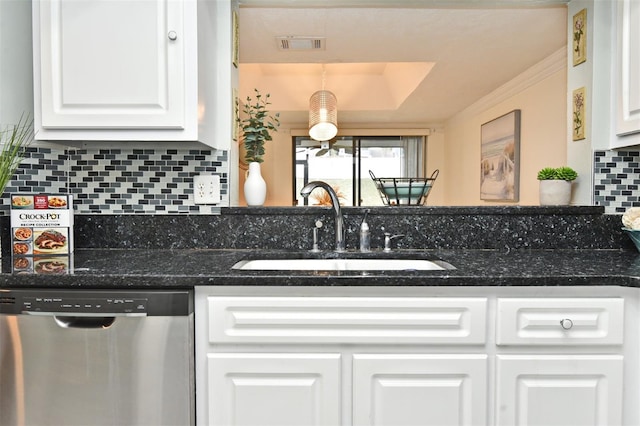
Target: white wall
(579,153)
(277,169)
(597,75)
(436,159)
(16,81)
(540,95)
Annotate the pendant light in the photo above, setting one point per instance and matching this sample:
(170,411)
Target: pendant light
(323,114)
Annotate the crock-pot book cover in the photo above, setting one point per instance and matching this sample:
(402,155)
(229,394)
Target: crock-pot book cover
(41,225)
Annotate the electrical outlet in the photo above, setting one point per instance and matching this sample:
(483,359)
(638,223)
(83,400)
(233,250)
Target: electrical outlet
(206,189)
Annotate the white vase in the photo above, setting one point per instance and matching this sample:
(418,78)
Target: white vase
(555,192)
(255,188)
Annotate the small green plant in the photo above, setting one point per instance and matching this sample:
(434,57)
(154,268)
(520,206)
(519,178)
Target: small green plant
(548,173)
(566,173)
(14,140)
(256,126)
(560,173)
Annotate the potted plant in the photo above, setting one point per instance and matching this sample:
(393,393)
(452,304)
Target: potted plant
(13,142)
(256,127)
(555,185)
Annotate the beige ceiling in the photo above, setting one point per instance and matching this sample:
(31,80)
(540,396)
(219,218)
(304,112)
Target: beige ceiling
(416,63)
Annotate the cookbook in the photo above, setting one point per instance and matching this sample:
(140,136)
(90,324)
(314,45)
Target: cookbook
(41,225)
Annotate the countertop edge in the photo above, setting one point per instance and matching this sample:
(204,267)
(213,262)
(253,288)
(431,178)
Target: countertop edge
(163,269)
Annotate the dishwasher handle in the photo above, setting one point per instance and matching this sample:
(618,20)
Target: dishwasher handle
(87,322)
(85,314)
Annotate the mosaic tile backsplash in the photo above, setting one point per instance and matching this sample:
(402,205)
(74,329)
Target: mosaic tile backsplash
(121,181)
(616,180)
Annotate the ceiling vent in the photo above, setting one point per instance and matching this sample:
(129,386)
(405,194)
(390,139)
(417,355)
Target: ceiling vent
(300,43)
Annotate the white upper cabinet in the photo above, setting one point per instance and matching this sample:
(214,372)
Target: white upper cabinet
(113,64)
(627,67)
(126,70)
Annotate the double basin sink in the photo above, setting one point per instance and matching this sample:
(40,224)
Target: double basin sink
(342,264)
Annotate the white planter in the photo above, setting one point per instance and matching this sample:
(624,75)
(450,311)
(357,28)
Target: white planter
(255,188)
(555,192)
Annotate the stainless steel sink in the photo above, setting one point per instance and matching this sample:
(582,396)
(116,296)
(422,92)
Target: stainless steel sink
(369,264)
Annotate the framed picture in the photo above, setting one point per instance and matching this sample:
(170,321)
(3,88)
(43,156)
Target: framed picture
(236,114)
(580,37)
(500,158)
(235,42)
(579,99)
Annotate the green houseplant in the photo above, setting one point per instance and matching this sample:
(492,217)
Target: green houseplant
(560,173)
(256,126)
(555,185)
(13,142)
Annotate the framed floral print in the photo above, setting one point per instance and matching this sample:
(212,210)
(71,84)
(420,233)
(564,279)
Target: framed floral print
(579,99)
(235,40)
(580,37)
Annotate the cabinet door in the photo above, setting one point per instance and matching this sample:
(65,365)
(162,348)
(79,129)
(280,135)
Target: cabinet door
(628,67)
(104,64)
(559,390)
(277,389)
(417,389)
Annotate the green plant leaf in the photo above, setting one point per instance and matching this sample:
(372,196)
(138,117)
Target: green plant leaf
(257,125)
(566,173)
(560,173)
(547,173)
(14,140)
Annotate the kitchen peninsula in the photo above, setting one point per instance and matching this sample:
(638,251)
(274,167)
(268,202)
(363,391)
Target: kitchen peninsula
(512,245)
(541,299)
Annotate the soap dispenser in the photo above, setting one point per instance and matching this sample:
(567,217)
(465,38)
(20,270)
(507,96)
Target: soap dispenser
(365,235)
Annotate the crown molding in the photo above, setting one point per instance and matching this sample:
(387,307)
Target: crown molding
(552,64)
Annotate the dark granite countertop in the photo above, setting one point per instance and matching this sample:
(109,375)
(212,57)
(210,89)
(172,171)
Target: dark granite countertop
(186,268)
(494,246)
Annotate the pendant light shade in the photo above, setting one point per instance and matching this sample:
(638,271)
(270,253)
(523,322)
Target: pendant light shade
(323,115)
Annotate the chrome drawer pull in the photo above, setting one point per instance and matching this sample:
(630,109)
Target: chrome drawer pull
(566,323)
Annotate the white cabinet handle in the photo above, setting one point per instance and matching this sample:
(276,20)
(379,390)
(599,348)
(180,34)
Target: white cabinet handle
(566,323)
(172,35)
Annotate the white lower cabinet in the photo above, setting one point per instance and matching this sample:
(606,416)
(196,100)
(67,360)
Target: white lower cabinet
(548,390)
(484,356)
(419,389)
(274,389)
(555,378)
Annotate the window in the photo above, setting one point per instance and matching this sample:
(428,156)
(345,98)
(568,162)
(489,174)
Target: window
(345,162)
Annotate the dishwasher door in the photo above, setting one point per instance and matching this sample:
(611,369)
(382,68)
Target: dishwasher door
(95,358)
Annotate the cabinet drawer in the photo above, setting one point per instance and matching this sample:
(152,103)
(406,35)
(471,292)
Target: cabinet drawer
(549,321)
(305,320)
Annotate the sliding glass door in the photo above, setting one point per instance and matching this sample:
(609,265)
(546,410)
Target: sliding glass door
(346,163)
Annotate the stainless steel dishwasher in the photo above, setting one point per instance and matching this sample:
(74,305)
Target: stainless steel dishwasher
(96,357)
